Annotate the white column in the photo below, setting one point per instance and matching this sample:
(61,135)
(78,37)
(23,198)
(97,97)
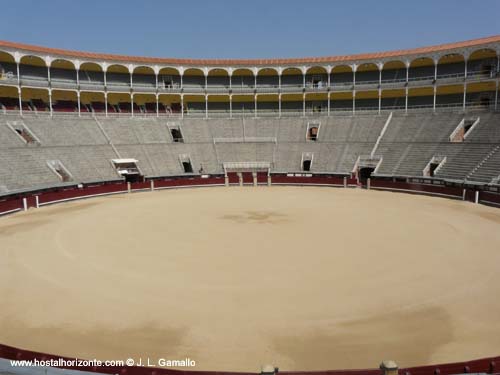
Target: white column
(329,79)
(465,95)
(156,82)
(20,101)
(132,104)
(19,88)
(18,74)
(353,102)
(106,104)
(381,68)
(279,105)
(79,104)
(206,103)
(465,72)
(49,88)
(231,81)
(304,80)
(230,102)
(406,100)
(206,82)
(379,100)
(435,83)
(50,101)
(50,91)
(279,81)
(105,79)
(131,80)
(78,78)
(182,81)
(255,105)
(407,73)
(182,103)
(157,104)
(434,101)
(328,93)
(304,104)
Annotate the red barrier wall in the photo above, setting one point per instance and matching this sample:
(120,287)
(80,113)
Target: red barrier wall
(351,181)
(247,177)
(74,193)
(191,181)
(10,203)
(470,195)
(302,180)
(262,178)
(484,365)
(450,191)
(140,185)
(31,201)
(489,197)
(233,178)
(15,202)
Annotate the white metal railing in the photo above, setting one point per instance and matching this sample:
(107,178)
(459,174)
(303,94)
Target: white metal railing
(44,82)
(260,112)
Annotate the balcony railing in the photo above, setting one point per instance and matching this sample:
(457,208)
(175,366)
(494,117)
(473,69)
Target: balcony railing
(116,86)
(198,113)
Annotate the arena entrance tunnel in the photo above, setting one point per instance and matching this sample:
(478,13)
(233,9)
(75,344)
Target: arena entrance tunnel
(128,169)
(364,173)
(365,166)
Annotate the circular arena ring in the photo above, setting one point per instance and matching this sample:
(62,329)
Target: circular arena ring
(306,278)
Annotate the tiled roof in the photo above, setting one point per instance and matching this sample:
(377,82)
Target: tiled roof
(248,62)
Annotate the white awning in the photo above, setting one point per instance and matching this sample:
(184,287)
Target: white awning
(248,165)
(124,161)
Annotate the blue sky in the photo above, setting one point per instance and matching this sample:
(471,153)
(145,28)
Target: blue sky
(250,29)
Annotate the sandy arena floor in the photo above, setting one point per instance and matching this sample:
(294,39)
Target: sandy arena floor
(301,278)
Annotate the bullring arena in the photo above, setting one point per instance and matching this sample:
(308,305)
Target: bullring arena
(308,277)
(308,214)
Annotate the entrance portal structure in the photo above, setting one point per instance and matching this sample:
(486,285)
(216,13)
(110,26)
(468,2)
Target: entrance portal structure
(247,173)
(128,169)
